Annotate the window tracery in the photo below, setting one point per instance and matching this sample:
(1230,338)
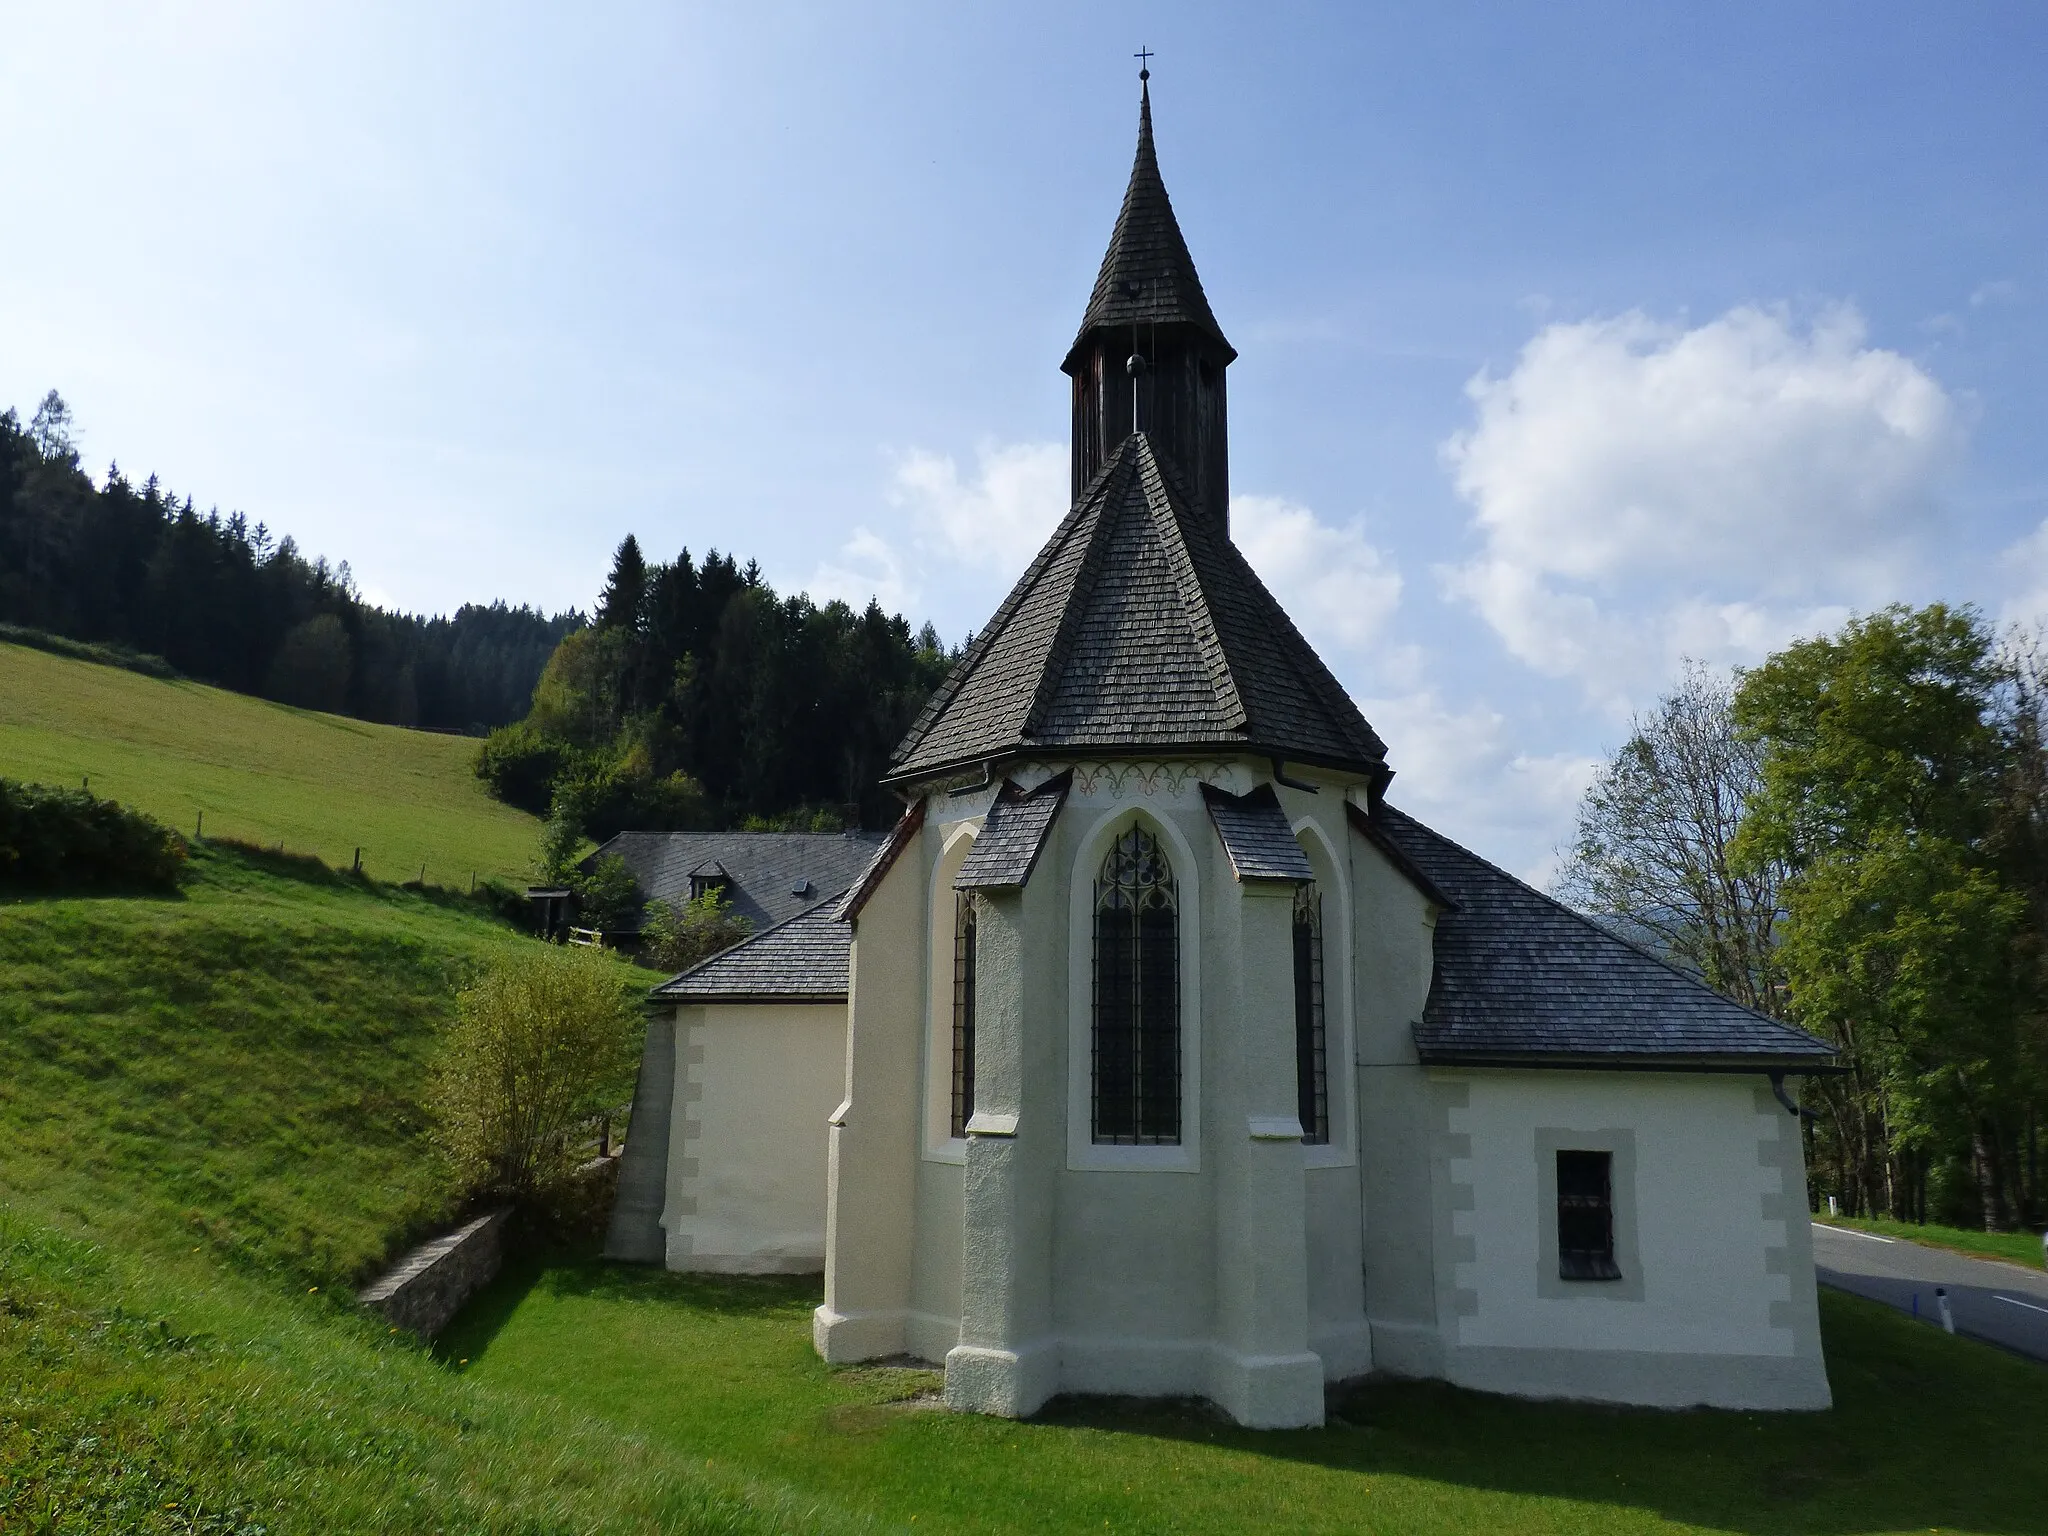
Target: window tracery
(1135,1037)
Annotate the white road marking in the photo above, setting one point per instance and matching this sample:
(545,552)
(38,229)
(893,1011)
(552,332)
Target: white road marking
(2018,1303)
(1868,1237)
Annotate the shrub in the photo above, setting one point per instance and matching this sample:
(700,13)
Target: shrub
(608,896)
(519,765)
(57,839)
(681,934)
(539,1043)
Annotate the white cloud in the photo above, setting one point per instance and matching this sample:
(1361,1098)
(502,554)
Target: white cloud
(2025,566)
(868,566)
(1458,770)
(1644,491)
(997,518)
(1338,588)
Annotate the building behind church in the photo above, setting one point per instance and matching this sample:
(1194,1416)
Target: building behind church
(1156,1052)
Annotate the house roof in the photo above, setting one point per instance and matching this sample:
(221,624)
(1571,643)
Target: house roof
(1523,979)
(1147,276)
(763,869)
(1256,835)
(1139,626)
(802,960)
(1012,835)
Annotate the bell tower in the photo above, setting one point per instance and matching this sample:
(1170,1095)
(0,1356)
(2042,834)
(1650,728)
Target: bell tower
(1150,357)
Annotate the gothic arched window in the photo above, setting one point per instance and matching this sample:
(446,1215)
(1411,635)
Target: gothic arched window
(1136,1032)
(964,922)
(1311,1037)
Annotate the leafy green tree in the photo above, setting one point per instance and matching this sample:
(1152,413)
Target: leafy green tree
(608,896)
(561,841)
(541,1041)
(1883,760)
(681,934)
(313,665)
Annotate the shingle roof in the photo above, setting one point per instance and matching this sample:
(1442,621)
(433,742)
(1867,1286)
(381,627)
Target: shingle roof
(1011,836)
(1520,977)
(1138,626)
(1256,835)
(764,868)
(1147,276)
(801,960)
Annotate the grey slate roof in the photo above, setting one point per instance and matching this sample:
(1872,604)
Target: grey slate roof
(801,960)
(1522,978)
(1012,835)
(1256,835)
(1140,627)
(764,868)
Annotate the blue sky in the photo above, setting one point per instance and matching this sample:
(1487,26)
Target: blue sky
(1575,339)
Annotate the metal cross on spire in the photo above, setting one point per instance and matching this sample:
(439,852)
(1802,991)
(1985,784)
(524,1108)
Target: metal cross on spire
(1144,56)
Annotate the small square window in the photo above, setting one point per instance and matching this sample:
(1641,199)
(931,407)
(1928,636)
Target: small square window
(1585,1216)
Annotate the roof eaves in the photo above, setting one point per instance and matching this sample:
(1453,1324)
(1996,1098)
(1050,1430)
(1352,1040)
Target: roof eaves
(1818,1063)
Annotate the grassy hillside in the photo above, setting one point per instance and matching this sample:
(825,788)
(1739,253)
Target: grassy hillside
(262,772)
(210,1127)
(237,1067)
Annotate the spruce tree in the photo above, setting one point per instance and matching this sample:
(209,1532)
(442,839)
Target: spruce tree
(625,594)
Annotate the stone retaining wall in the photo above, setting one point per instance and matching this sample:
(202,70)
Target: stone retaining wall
(427,1287)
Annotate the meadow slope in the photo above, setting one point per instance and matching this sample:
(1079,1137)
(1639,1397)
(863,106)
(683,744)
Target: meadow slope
(261,772)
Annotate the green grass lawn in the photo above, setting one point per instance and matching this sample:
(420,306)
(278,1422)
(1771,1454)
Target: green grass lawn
(1929,1432)
(262,772)
(2022,1248)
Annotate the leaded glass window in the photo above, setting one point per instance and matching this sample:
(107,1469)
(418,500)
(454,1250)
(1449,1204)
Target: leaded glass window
(1136,1033)
(1311,1034)
(965,916)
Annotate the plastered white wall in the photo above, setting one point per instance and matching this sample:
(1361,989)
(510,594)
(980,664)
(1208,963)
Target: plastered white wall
(755,1084)
(1698,1197)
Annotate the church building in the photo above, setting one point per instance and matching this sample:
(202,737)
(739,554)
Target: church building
(1157,1053)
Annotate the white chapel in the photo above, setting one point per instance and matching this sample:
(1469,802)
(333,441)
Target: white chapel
(1155,1052)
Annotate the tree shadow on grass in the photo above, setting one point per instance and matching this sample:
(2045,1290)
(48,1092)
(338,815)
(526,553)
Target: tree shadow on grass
(1927,1432)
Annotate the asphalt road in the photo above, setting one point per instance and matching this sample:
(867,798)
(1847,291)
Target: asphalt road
(1990,1300)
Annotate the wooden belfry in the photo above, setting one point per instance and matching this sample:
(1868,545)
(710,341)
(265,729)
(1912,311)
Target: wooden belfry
(1150,356)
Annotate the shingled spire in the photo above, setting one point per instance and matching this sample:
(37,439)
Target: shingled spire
(1148,304)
